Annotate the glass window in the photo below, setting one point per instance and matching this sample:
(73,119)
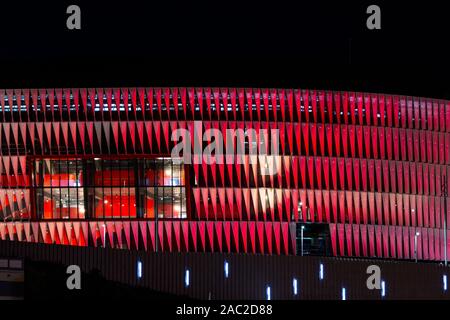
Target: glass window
(150,203)
(59,191)
(107,189)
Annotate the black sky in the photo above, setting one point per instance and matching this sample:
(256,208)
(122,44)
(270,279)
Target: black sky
(316,44)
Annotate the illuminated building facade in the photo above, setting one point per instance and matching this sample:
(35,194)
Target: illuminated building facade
(363,174)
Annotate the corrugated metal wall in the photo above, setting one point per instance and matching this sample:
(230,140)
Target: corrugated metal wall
(248,274)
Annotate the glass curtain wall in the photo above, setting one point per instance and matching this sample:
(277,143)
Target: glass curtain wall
(109,188)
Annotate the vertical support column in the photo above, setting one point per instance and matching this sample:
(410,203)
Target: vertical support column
(138,173)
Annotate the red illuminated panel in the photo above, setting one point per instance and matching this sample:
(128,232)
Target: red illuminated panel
(379,164)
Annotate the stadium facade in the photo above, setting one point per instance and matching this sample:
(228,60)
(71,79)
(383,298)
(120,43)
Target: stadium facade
(356,174)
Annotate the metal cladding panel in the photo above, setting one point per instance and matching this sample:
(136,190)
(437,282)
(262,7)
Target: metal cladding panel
(364,162)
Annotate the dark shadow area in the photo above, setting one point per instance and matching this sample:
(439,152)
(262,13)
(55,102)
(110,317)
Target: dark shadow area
(44,281)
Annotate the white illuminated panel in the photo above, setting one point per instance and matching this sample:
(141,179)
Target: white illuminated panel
(225,267)
(139,269)
(186,278)
(444,282)
(295,286)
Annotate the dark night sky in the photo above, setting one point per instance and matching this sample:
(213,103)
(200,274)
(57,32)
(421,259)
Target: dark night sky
(314,44)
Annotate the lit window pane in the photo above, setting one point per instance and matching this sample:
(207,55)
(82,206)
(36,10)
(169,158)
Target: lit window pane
(98,188)
(177,203)
(150,203)
(49,204)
